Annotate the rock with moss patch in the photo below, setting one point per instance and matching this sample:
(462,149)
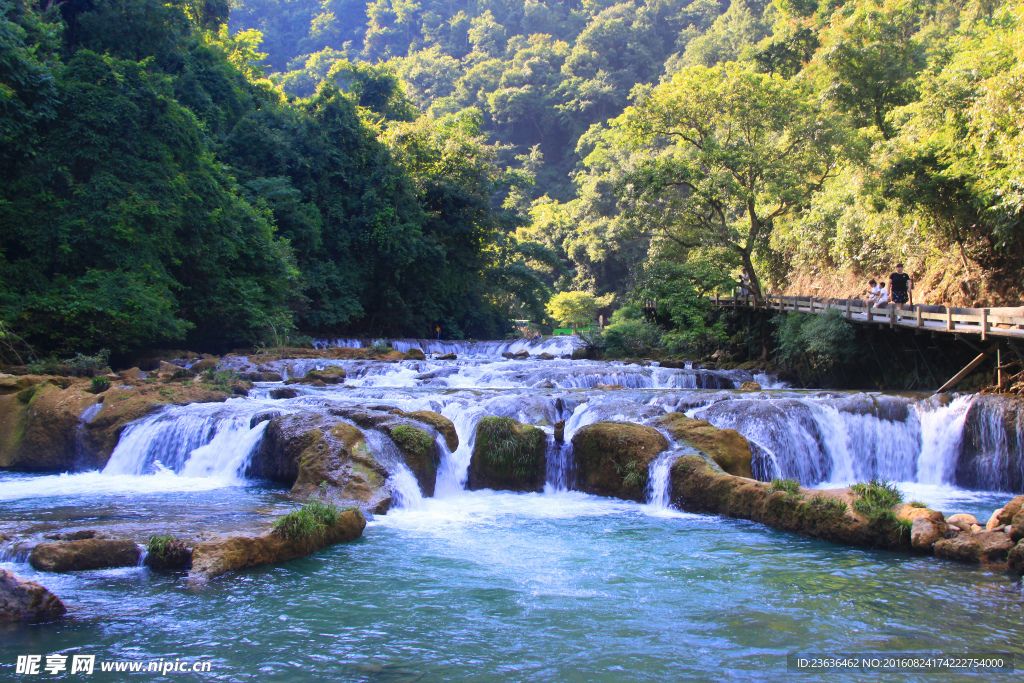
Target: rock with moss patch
(987,547)
(415,354)
(420,453)
(214,558)
(92,553)
(727,447)
(439,422)
(699,486)
(22,600)
(306,450)
(507,455)
(613,458)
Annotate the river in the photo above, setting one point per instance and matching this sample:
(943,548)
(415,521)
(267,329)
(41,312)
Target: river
(495,586)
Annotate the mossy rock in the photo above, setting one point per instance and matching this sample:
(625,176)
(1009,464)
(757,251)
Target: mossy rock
(439,422)
(420,452)
(727,447)
(699,486)
(308,450)
(38,425)
(414,354)
(613,458)
(507,455)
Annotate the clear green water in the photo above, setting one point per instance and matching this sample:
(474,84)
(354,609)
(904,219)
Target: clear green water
(565,587)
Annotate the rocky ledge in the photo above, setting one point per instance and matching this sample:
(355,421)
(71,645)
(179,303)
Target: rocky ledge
(214,558)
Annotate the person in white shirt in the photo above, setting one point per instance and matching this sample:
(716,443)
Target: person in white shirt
(877,295)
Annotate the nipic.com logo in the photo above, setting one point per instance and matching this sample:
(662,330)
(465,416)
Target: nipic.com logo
(58,664)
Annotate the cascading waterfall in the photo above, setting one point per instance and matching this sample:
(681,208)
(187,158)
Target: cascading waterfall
(405,490)
(824,438)
(659,477)
(192,441)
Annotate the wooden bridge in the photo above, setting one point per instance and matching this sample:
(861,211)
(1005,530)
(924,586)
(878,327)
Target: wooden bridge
(995,324)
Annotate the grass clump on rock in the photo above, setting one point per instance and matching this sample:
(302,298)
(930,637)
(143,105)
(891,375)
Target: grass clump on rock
(310,522)
(875,500)
(167,552)
(504,447)
(828,506)
(99,384)
(791,486)
(634,476)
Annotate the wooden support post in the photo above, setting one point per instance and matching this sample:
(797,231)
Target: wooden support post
(870,306)
(812,304)
(918,320)
(999,368)
(848,314)
(892,315)
(984,324)
(966,371)
(949,319)
(716,299)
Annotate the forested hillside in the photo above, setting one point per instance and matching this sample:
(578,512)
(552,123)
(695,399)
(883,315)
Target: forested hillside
(155,189)
(815,142)
(197,172)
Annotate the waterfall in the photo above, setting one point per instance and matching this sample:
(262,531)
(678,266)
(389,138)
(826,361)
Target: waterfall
(454,469)
(659,476)
(405,490)
(556,346)
(192,441)
(991,453)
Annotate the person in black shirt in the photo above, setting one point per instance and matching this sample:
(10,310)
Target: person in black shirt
(901,287)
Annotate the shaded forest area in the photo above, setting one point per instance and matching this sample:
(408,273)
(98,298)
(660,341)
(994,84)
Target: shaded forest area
(157,190)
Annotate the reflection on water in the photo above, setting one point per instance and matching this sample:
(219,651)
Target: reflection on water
(507,587)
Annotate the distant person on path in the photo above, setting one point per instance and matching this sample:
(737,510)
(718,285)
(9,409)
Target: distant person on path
(877,296)
(901,287)
(744,282)
(437,328)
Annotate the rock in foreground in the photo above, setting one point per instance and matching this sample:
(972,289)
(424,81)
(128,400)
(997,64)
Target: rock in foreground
(91,553)
(214,558)
(22,600)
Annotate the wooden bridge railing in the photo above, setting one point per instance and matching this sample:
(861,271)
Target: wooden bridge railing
(998,322)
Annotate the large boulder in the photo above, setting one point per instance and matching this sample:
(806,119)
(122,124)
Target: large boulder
(507,455)
(214,558)
(1008,511)
(39,424)
(306,450)
(925,533)
(22,600)
(415,354)
(987,547)
(727,447)
(90,553)
(613,458)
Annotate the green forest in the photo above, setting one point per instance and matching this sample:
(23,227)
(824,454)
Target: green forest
(217,173)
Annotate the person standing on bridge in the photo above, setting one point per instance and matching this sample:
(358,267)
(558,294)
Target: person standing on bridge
(901,287)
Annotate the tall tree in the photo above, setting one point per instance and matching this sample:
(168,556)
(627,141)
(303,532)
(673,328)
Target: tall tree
(732,150)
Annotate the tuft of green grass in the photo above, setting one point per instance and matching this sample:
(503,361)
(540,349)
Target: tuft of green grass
(876,498)
(99,384)
(791,486)
(381,346)
(917,504)
(634,475)
(309,522)
(166,551)
(828,506)
(505,448)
